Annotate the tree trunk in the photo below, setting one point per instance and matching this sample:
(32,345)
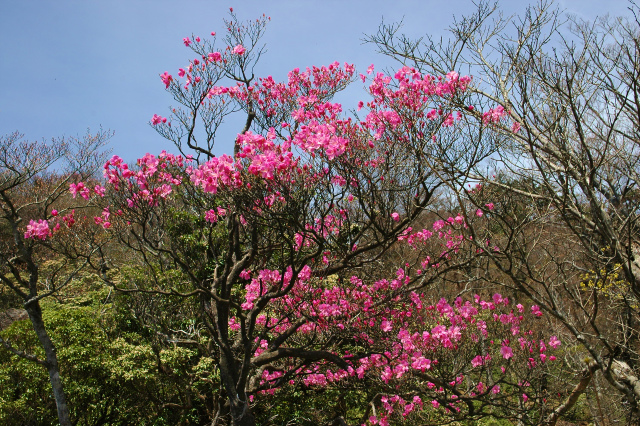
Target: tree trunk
(51,362)
(241,414)
(585,379)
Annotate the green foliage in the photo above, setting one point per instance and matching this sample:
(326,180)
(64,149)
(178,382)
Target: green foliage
(302,406)
(114,372)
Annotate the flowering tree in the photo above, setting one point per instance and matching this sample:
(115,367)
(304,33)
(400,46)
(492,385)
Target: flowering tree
(279,243)
(563,96)
(30,192)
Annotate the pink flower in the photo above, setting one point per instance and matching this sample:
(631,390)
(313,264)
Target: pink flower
(479,213)
(186,41)
(452,76)
(525,398)
(506,351)
(490,206)
(215,56)
(213,33)
(535,310)
(385,325)
(54,212)
(211,216)
(99,190)
(79,188)
(515,128)
(494,115)
(239,50)
(166,79)
(477,361)
(197,39)
(370,69)
(554,342)
(497,298)
(39,229)
(395,216)
(156,119)
(435,403)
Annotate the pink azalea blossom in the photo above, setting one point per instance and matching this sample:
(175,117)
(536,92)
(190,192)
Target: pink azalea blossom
(39,229)
(81,189)
(477,361)
(239,50)
(156,119)
(99,190)
(211,216)
(166,79)
(515,127)
(395,216)
(506,352)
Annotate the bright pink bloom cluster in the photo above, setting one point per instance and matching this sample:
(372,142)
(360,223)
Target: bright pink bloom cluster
(494,115)
(166,79)
(151,182)
(79,188)
(216,173)
(39,229)
(156,119)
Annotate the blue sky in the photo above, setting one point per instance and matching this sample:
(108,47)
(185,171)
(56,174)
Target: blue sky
(66,66)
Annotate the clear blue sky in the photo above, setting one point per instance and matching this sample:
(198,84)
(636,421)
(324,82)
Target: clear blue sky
(66,66)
